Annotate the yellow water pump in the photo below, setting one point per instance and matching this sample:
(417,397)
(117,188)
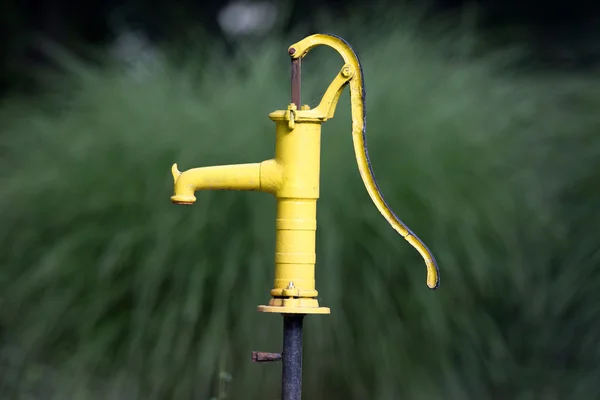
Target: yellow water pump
(293,178)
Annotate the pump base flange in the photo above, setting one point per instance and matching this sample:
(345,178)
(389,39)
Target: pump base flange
(294,306)
(294,310)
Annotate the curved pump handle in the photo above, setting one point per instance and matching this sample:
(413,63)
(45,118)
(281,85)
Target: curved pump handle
(359,122)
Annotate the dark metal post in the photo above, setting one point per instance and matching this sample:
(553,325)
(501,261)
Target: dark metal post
(291,377)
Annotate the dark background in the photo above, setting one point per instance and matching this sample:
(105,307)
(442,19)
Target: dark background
(561,33)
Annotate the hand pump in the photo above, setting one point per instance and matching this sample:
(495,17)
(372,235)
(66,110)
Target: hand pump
(293,178)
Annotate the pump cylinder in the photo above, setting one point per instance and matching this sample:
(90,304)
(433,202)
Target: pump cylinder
(298,151)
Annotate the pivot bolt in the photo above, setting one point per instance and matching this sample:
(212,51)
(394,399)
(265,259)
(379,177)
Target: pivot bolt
(346,71)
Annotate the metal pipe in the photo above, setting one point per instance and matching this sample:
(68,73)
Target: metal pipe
(291,377)
(296,79)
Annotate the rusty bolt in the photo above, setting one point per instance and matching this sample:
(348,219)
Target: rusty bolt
(262,357)
(292,51)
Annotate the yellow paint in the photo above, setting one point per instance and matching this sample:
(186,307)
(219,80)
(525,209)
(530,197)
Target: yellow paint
(293,178)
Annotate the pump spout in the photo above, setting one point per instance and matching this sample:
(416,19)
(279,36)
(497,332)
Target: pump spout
(262,177)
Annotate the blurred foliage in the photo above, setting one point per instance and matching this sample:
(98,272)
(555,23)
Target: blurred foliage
(107,290)
(561,34)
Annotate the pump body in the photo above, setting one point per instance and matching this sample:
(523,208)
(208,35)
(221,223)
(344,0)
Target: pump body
(293,177)
(297,151)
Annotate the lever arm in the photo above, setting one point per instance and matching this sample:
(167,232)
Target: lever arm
(359,124)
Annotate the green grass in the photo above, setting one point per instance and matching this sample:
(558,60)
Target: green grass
(107,290)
